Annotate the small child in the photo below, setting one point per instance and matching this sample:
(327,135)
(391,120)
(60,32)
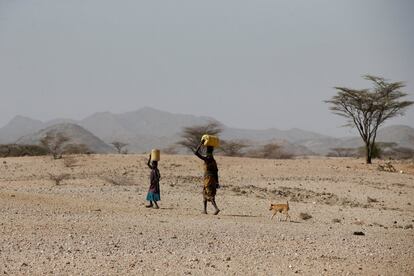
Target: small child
(153,194)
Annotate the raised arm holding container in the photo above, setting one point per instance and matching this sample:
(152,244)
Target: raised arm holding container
(211,182)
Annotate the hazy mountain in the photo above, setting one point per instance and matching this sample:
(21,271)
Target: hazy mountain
(404,135)
(159,123)
(18,127)
(292,135)
(76,134)
(142,129)
(400,134)
(147,128)
(322,145)
(144,122)
(59,121)
(291,148)
(106,125)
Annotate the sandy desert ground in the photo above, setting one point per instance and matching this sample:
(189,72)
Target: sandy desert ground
(95,223)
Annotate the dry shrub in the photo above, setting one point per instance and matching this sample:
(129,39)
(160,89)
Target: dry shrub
(269,151)
(70,161)
(14,150)
(342,152)
(234,148)
(57,178)
(305,216)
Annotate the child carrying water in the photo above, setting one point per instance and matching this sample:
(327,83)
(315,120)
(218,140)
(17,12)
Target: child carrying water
(153,194)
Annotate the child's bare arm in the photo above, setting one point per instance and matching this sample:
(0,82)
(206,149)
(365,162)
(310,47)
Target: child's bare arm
(197,152)
(149,162)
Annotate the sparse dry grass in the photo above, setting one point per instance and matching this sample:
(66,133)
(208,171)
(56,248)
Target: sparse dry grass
(58,178)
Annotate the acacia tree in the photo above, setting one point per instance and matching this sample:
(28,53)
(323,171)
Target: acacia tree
(368,109)
(191,136)
(54,143)
(119,146)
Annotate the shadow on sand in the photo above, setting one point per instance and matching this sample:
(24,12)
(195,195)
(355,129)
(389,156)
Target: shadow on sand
(242,216)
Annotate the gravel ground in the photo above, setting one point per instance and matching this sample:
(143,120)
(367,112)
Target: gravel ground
(94,221)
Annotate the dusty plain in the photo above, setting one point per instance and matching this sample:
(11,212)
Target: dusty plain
(95,223)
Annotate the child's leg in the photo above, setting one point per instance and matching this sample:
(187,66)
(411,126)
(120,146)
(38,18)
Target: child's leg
(149,205)
(213,201)
(205,206)
(156,205)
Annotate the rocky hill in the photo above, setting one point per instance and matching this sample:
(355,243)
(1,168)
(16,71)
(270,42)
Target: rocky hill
(19,126)
(76,134)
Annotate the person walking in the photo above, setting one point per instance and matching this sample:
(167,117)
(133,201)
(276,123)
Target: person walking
(211,182)
(153,194)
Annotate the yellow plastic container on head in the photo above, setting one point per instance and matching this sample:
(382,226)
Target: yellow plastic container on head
(211,141)
(155,155)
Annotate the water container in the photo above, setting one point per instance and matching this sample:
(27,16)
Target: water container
(155,155)
(211,141)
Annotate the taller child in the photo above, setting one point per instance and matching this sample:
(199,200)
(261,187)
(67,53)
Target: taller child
(210,177)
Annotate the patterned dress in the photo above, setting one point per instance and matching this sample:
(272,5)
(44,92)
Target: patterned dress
(154,189)
(210,178)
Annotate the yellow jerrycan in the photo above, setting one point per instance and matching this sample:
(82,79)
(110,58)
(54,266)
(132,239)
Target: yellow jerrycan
(210,141)
(155,155)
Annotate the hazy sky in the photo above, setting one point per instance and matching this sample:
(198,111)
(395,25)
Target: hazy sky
(250,64)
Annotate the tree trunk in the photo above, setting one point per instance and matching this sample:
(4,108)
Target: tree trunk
(368,153)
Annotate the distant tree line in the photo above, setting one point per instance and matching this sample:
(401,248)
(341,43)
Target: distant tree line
(191,137)
(380,150)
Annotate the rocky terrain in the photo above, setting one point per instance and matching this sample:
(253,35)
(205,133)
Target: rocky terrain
(86,215)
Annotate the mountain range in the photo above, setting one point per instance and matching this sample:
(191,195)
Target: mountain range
(148,128)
